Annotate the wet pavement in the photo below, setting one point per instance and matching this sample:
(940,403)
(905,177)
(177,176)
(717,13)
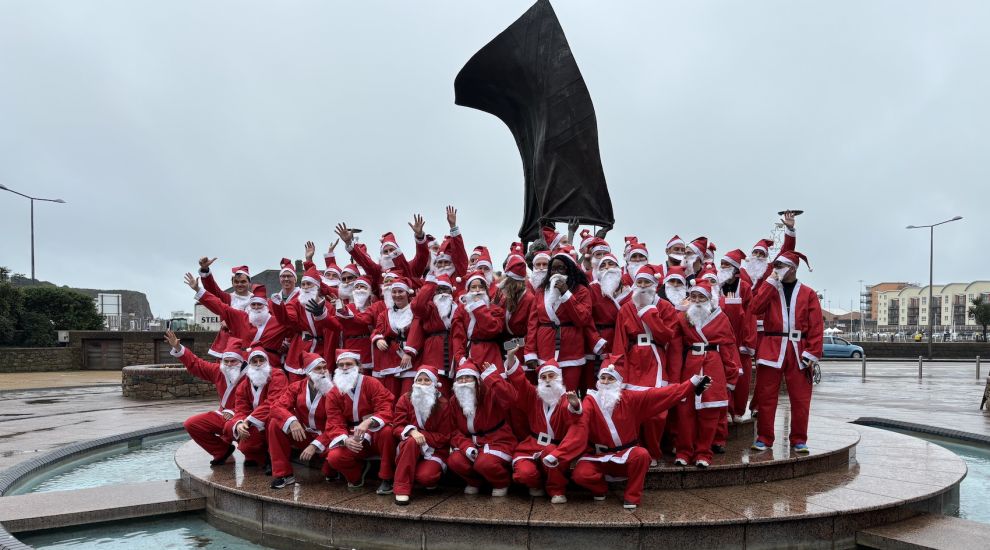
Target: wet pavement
(35,380)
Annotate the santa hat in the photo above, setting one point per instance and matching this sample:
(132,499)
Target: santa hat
(586,238)
(234,350)
(444,280)
(675,240)
(331,261)
(710,255)
(702,286)
(444,252)
(647,273)
(431,372)
(552,238)
(700,247)
(484,258)
(675,272)
(401,283)
(516,250)
(241,270)
(793,258)
(597,245)
(259,295)
(542,253)
(709,273)
(475,275)
(613,367)
(352,269)
(260,352)
(310,361)
(389,239)
(550,365)
(734,257)
(312,275)
(348,354)
(567,253)
(763,245)
(391,274)
(364,281)
(515,269)
(431,240)
(467,368)
(287,267)
(637,247)
(609,256)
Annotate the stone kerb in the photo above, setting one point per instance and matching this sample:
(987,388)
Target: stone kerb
(161,382)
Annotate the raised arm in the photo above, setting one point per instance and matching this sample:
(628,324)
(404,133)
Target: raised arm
(209,283)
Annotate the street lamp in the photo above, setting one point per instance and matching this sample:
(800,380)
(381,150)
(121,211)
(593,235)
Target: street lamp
(931,271)
(32,199)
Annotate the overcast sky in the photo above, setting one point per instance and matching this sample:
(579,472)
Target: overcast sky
(240,129)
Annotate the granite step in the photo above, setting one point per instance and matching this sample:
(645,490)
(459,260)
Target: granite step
(927,531)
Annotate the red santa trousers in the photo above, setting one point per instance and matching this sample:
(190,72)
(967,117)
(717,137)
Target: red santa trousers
(486,468)
(206,429)
(651,433)
(412,468)
(589,375)
(253,447)
(767,393)
(350,464)
(531,473)
(722,431)
(591,475)
(572,377)
(696,431)
(740,395)
(396,386)
(280,445)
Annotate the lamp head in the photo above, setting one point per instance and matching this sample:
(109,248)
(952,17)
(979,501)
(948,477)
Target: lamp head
(60,201)
(953,219)
(4,187)
(910,227)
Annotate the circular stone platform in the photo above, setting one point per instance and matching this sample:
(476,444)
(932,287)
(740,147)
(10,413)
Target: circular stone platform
(884,477)
(157,382)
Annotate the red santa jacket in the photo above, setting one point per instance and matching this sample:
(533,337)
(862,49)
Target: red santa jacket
(788,327)
(345,410)
(476,331)
(605,312)
(309,334)
(355,329)
(253,405)
(210,372)
(548,426)
(517,321)
(429,334)
(488,430)
(300,402)
(710,350)
(392,325)
(234,300)
(569,317)
(646,337)
(269,336)
(359,253)
(435,428)
(737,310)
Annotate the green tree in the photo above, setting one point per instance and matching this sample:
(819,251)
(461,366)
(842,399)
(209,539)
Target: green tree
(66,308)
(980,310)
(11,306)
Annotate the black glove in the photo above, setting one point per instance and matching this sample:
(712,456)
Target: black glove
(316,308)
(705,382)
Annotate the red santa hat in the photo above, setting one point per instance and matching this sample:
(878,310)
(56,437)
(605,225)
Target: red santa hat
(611,257)
(391,275)
(552,238)
(596,245)
(484,258)
(287,267)
(702,286)
(709,274)
(234,350)
(331,261)
(431,372)
(735,258)
(567,253)
(516,250)
(793,258)
(444,280)
(700,247)
(431,240)
(352,269)
(586,238)
(260,352)
(401,283)
(259,295)
(637,247)
(364,281)
(348,354)
(388,239)
(542,253)
(675,272)
(763,245)
(675,240)
(312,275)
(467,368)
(445,248)
(613,366)
(241,270)
(552,366)
(515,269)
(647,273)
(475,276)
(310,361)
(710,254)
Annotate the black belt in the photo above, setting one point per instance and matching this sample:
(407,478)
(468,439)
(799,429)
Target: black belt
(356,336)
(792,335)
(556,329)
(309,337)
(490,430)
(603,327)
(554,325)
(492,340)
(536,436)
(636,341)
(700,347)
(446,344)
(601,449)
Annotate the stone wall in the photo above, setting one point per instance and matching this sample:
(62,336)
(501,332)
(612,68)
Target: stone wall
(158,382)
(911,350)
(39,359)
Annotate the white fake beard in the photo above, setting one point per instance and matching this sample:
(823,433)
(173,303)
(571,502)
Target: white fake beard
(230,373)
(259,375)
(610,280)
(334,283)
(345,290)
(387,261)
(537,277)
(675,295)
(258,318)
(595,262)
(725,274)
(551,297)
(698,313)
(445,305)
(756,267)
(675,259)
(306,295)
(633,267)
(322,382)
(448,271)
(644,296)
(489,277)
(688,266)
(345,381)
(551,392)
(423,398)
(467,396)
(360,298)
(387,296)
(478,295)
(609,395)
(400,318)
(781,272)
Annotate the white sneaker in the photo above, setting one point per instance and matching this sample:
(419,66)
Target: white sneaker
(680,462)
(599,498)
(402,499)
(558,499)
(470,490)
(537,492)
(500,492)
(628,505)
(654,463)
(702,464)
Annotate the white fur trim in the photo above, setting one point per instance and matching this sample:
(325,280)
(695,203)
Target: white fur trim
(200,293)
(319,446)
(381,424)
(335,442)
(288,424)
(488,372)
(179,352)
(256,423)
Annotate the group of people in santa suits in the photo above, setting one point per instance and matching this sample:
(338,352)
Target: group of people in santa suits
(567,366)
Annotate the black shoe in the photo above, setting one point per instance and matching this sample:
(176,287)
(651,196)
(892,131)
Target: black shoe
(385,488)
(223,460)
(280,482)
(250,463)
(364,474)
(718,449)
(268,469)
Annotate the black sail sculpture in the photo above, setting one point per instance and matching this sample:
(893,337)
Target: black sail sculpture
(527,77)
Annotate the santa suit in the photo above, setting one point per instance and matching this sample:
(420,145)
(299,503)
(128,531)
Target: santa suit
(310,335)
(792,331)
(613,448)
(355,330)
(269,336)
(744,328)
(430,331)
(557,330)
(710,350)
(231,299)
(393,326)
(475,333)
(253,406)
(517,322)
(488,432)
(548,428)
(207,429)
(599,338)
(646,337)
(422,465)
(299,402)
(374,271)
(345,410)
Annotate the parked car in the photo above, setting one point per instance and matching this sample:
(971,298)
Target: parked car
(834,346)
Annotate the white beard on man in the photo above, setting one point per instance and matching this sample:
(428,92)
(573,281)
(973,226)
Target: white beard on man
(697,312)
(345,290)
(609,395)
(475,296)
(756,267)
(387,261)
(230,373)
(610,280)
(322,382)
(551,392)
(448,271)
(360,298)
(633,267)
(537,277)
(445,306)
(725,274)
(467,395)
(423,399)
(258,318)
(674,294)
(345,380)
(258,374)
(644,296)
(551,297)
(310,294)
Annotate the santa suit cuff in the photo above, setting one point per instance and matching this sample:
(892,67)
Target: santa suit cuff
(530,357)
(381,424)
(809,357)
(511,359)
(550,461)
(565,296)
(338,441)
(200,293)
(455,231)
(601,344)
(642,311)
(746,350)
(178,352)
(474,305)
(406,430)
(696,379)
(233,430)
(410,350)
(288,424)
(489,371)
(791,232)
(256,423)
(732,387)
(329,255)
(345,313)
(319,446)
(376,338)
(471,453)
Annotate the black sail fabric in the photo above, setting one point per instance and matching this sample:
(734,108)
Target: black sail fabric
(527,77)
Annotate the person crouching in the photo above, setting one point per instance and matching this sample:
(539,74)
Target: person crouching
(422,426)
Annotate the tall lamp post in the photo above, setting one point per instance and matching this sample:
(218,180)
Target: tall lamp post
(931,271)
(32,199)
